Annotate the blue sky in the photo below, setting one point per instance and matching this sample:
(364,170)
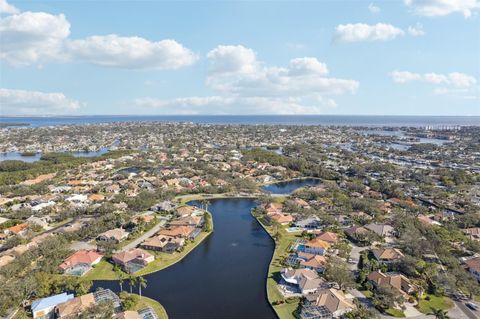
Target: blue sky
(405,57)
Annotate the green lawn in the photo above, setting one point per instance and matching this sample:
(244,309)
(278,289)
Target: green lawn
(155,305)
(284,311)
(426,306)
(104,270)
(395,313)
(367,293)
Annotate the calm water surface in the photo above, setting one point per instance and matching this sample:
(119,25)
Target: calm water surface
(224,277)
(290,186)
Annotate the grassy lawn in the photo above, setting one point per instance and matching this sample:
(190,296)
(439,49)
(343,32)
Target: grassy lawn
(104,270)
(101,271)
(164,260)
(426,306)
(367,293)
(284,311)
(155,305)
(395,313)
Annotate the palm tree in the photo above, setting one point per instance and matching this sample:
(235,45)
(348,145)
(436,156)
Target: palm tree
(440,314)
(142,282)
(132,281)
(120,277)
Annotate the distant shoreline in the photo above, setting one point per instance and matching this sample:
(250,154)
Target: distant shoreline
(307,120)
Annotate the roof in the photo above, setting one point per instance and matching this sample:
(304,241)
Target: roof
(387,253)
(51,301)
(117,233)
(18,228)
(177,231)
(75,305)
(333,299)
(318,243)
(395,280)
(129,314)
(380,229)
(129,255)
(80,257)
(328,237)
(473,264)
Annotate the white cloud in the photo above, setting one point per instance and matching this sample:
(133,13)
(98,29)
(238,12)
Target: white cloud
(455,79)
(454,84)
(364,32)
(5,7)
(416,30)
(373,8)
(246,85)
(22,102)
(432,8)
(38,37)
(130,52)
(32,37)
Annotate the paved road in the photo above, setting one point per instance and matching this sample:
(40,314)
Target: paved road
(460,311)
(355,255)
(145,235)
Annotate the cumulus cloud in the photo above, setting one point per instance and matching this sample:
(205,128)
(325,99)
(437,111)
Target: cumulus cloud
(22,102)
(31,37)
(453,84)
(38,37)
(5,7)
(373,8)
(433,8)
(130,52)
(416,30)
(364,32)
(246,85)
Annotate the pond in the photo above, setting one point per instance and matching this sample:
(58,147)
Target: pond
(289,186)
(224,277)
(36,157)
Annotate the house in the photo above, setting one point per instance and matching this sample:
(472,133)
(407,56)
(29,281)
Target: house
(116,235)
(192,221)
(302,203)
(17,229)
(472,233)
(43,221)
(381,230)
(329,237)
(185,211)
(316,246)
(311,222)
(165,206)
(281,218)
(427,221)
(473,266)
(96,198)
(187,232)
(395,280)
(305,280)
(387,255)
(133,260)
(77,198)
(80,262)
(75,306)
(332,301)
(312,261)
(357,233)
(163,243)
(45,307)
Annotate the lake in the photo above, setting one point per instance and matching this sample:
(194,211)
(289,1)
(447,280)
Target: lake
(225,276)
(17,156)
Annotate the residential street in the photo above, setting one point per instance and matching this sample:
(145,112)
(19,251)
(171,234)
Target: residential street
(144,236)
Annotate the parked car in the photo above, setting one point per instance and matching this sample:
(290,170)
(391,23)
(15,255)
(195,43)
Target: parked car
(472,306)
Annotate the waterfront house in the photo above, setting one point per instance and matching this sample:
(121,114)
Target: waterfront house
(80,262)
(315,246)
(305,281)
(192,221)
(133,260)
(163,243)
(187,232)
(326,303)
(44,308)
(312,261)
(311,222)
(281,218)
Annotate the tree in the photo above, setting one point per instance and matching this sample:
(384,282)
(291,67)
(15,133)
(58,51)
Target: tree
(132,280)
(362,312)
(337,271)
(142,282)
(387,297)
(129,301)
(440,314)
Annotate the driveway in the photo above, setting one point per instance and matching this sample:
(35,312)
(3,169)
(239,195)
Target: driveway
(145,235)
(355,255)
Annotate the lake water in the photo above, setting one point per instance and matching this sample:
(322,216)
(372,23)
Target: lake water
(341,120)
(225,276)
(290,186)
(30,159)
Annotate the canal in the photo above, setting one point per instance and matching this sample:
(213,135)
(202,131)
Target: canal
(225,276)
